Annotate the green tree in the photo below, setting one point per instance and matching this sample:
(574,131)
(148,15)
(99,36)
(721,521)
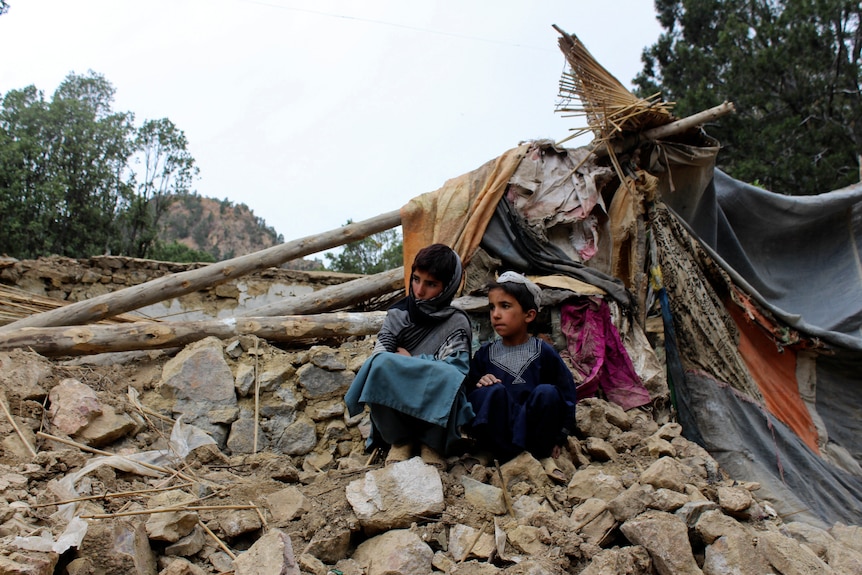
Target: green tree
(63,176)
(377,253)
(27,192)
(166,170)
(77,178)
(791,67)
(177,252)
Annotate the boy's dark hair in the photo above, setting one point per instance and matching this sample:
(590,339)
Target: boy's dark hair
(438,260)
(518,291)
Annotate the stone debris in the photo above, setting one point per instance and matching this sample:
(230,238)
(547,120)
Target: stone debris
(239,457)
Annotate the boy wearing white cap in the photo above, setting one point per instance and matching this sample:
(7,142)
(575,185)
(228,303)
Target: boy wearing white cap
(521,391)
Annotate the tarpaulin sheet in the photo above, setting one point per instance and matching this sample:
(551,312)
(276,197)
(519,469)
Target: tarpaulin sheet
(457,213)
(472,210)
(750,444)
(518,248)
(774,370)
(798,257)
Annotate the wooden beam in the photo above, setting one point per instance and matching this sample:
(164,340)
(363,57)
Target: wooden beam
(677,127)
(175,285)
(103,338)
(335,297)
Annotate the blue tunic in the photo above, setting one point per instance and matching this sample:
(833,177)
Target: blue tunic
(532,409)
(418,398)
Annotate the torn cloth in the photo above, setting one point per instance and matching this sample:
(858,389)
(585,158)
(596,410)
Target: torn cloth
(457,213)
(598,354)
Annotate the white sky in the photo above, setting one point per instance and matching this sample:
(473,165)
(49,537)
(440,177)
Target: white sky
(315,112)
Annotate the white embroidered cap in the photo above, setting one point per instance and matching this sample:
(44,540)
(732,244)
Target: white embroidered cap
(515,277)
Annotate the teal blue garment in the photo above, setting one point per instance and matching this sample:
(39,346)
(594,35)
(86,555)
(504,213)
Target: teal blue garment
(419,386)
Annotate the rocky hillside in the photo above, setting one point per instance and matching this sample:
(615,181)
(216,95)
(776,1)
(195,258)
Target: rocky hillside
(220,228)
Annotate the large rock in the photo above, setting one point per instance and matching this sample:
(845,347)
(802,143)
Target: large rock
(665,537)
(734,553)
(118,547)
(788,557)
(330,544)
(524,467)
(849,535)
(483,496)
(593,482)
(593,520)
(631,502)
(106,428)
(25,374)
(817,539)
(713,524)
(319,383)
(286,505)
(734,499)
(530,540)
(241,438)
(201,384)
(666,472)
(592,419)
(174,525)
(72,406)
(466,542)
(292,436)
(396,551)
(633,560)
(396,495)
(272,554)
(28,563)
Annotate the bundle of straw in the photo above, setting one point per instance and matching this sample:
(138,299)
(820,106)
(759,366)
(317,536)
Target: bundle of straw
(587,89)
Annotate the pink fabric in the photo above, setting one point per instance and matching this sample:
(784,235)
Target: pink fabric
(598,354)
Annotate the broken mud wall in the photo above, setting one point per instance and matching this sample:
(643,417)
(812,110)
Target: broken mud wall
(72,280)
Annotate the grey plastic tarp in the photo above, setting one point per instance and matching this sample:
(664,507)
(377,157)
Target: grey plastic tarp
(799,257)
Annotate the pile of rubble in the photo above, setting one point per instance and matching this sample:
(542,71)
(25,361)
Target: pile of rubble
(238,456)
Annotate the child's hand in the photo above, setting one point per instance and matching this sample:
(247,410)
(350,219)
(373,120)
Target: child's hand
(402,351)
(487,380)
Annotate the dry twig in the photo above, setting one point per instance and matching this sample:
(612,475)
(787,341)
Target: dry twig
(113,495)
(507,499)
(218,541)
(16,428)
(83,447)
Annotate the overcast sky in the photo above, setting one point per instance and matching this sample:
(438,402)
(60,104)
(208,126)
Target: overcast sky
(313,113)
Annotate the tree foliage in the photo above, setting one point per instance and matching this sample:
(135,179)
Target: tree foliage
(163,170)
(176,252)
(68,183)
(791,67)
(377,253)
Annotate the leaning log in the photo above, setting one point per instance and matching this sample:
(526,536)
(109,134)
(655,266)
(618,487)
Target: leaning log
(175,285)
(652,135)
(335,297)
(102,338)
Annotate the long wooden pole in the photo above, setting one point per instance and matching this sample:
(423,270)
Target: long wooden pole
(666,130)
(334,297)
(175,285)
(103,338)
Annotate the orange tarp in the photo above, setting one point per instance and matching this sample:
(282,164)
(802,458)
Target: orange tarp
(458,213)
(775,374)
